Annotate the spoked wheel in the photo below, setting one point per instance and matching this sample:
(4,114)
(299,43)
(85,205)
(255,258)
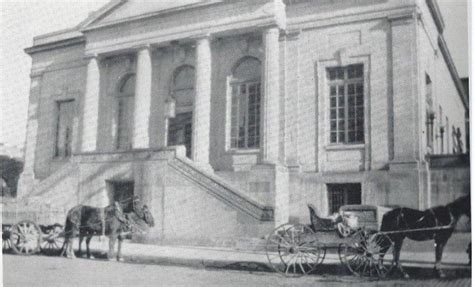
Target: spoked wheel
(293,250)
(25,237)
(53,240)
(367,254)
(6,243)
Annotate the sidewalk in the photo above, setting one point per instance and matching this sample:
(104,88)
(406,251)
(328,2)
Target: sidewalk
(414,254)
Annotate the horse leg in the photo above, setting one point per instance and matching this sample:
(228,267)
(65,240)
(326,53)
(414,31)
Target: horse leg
(81,238)
(396,256)
(88,241)
(112,239)
(439,246)
(119,247)
(69,249)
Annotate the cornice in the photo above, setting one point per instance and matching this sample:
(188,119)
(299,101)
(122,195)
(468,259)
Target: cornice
(55,45)
(316,21)
(91,26)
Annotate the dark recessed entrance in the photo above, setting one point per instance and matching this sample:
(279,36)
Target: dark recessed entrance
(122,192)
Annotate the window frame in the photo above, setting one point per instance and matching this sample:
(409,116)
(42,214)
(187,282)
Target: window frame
(247,83)
(322,124)
(232,82)
(120,99)
(56,153)
(345,82)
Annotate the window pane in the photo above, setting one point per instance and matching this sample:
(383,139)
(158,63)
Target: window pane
(341,90)
(341,113)
(341,101)
(332,91)
(351,137)
(342,137)
(351,89)
(333,126)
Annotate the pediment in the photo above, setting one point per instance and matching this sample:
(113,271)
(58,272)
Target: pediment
(119,11)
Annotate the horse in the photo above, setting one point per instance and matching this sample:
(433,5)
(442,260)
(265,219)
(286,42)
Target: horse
(87,221)
(426,223)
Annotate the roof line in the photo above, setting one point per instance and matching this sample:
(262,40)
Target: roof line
(452,69)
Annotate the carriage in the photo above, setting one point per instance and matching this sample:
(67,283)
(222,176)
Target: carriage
(27,230)
(351,237)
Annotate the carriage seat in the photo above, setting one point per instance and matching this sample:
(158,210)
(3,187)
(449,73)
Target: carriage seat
(322,223)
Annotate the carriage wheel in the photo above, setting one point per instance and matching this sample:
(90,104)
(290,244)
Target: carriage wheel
(293,250)
(53,241)
(367,254)
(25,237)
(6,243)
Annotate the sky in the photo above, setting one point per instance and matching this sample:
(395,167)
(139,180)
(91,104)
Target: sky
(21,20)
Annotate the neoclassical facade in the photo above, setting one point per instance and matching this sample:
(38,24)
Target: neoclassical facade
(229,117)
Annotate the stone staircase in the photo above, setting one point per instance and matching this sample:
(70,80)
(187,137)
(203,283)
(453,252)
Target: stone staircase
(220,189)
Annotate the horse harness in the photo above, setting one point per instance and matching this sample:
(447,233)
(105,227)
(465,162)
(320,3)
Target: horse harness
(437,223)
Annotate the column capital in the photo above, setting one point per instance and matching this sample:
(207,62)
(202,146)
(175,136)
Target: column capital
(147,46)
(203,37)
(93,56)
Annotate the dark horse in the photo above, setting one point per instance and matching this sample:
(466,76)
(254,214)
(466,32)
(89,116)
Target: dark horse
(86,221)
(426,224)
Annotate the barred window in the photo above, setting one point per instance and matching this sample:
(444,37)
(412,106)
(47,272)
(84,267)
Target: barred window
(346,98)
(64,127)
(246,95)
(343,194)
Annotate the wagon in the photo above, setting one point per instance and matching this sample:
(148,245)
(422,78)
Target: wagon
(351,237)
(27,230)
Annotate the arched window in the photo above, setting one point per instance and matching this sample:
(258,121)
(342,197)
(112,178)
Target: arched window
(246,95)
(180,127)
(125,94)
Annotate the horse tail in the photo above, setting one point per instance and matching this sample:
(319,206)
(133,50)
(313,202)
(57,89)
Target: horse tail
(73,221)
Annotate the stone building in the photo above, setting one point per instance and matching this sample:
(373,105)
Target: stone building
(229,117)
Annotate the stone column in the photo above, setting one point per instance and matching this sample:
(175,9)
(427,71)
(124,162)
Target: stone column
(91,106)
(202,103)
(141,114)
(271,100)
(408,181)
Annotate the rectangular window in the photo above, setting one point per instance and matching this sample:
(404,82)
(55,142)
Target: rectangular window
(64,128)
(346,104)
(245,119)
(343,194)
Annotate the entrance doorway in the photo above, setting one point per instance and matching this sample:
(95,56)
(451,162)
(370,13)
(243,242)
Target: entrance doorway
(342,194)
(122,192)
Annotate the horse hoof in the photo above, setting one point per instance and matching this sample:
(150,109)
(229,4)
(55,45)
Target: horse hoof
(120,259)
(406,276)
(84,256)
(110,258)
(91,257)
